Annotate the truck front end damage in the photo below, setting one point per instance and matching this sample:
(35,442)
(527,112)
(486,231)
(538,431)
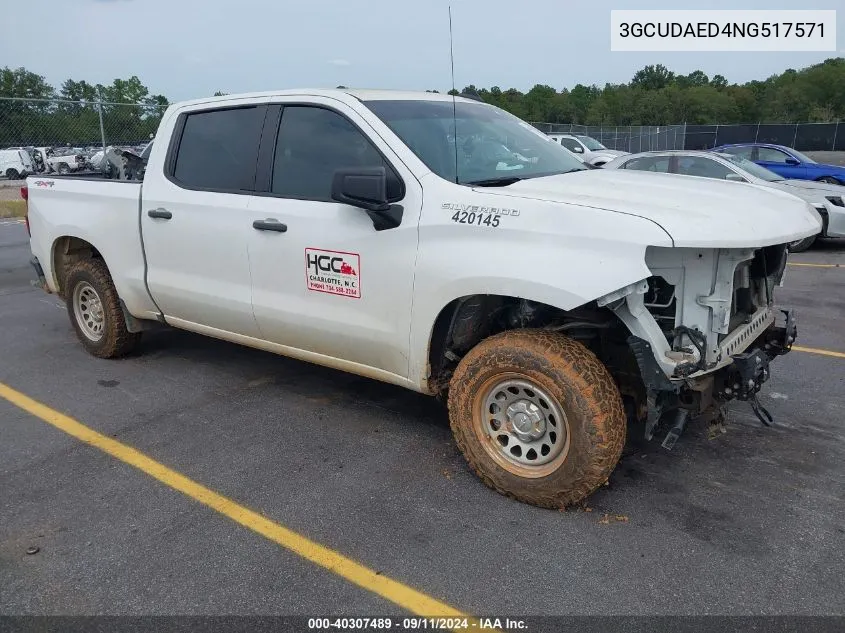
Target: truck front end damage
(704,330)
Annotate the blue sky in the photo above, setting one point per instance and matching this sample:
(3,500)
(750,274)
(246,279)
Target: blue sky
(191,48)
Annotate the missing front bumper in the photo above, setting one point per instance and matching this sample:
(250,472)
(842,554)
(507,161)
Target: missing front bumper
(744,377)
(740,378)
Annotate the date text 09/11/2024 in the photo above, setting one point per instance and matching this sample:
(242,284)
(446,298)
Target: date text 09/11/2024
(418,624)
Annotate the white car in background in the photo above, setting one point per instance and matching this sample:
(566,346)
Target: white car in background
(827,199)
(16,163)
(588,149)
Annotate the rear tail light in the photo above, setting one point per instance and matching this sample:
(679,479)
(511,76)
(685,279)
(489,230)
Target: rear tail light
(25,196)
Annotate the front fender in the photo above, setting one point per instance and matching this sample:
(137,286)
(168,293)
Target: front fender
(561,270)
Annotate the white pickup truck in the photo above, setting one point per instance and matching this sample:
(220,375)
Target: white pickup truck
(551,304)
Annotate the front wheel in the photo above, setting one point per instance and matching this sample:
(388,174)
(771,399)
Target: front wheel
(829,180)
(95,311)
(63,168)
(537,416)
(12,174)
(801,245)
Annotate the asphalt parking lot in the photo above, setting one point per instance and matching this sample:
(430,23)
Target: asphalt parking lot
(751,522)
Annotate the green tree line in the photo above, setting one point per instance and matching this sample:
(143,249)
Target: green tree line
(654,96)
(657,96)
(41,115)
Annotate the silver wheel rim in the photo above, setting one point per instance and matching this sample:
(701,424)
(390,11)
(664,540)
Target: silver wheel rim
(523,427)
(88,310)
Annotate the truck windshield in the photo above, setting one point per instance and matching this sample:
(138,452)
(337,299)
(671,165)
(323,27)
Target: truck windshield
(474,143)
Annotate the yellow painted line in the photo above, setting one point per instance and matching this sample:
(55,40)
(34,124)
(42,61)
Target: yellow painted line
(815,350)
(814,265)
(398,593)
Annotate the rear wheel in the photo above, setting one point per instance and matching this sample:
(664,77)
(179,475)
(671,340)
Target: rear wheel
(801,245)
(12,174)
(537,416)
(95,311)
(63,168)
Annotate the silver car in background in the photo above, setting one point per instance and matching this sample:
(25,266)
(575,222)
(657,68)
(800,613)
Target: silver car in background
(587,149)
(827,199)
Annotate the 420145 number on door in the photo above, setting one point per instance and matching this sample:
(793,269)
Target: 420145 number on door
(470,217)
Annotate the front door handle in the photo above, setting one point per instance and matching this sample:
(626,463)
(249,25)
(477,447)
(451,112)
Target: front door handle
(270,225)
(160,213)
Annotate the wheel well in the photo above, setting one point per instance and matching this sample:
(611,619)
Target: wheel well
(67,251)
(466,321)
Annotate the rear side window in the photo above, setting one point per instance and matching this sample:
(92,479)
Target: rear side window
(703,167)
(219,149)
(315,142)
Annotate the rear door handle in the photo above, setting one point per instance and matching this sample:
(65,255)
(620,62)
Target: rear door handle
(160,213)
(270,225)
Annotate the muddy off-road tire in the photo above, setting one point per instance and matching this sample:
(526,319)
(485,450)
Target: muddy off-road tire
(537,416)
(94,310)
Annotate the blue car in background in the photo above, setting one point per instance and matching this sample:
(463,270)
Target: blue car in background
(786,162)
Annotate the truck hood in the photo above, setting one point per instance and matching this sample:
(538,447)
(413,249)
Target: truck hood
(695,212)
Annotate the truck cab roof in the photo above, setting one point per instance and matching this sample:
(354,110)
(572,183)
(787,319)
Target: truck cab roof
(343,94)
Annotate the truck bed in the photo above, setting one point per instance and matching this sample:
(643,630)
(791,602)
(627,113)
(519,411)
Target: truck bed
(67,212)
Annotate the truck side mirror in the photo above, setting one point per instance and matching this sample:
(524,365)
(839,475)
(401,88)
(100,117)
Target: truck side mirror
(792,161)
(364,188)
(735,178)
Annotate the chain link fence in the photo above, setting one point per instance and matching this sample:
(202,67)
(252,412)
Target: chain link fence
(805,137)
(626,138)
(61,136)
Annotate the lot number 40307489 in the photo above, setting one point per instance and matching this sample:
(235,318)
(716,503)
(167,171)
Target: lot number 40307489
(464,217)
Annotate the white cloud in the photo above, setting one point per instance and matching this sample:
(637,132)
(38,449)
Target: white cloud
(340,62)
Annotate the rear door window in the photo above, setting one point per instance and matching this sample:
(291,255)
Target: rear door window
(704,167)
(649,163)
(218,149)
